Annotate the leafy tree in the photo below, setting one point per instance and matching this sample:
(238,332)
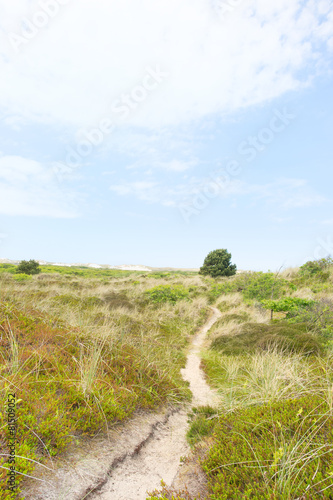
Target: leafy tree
(218,263)
(28,267)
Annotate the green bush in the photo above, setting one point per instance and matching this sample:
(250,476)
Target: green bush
(253,286)
(263,286)
(313,267)
(167,293)
(319,317)
(28,267)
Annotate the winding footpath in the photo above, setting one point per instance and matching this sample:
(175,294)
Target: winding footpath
(160,457)
(136,456)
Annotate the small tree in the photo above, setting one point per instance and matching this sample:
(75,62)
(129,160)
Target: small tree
(28,267)
(218,263)
(287,305)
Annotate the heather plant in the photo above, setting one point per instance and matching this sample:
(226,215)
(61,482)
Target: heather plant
(273,451)
(83,353)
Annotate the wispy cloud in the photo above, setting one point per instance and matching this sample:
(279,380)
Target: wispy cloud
(284,193)
(28,187)
(216,63)
(327,222)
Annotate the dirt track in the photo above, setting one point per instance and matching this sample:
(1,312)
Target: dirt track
(160,457)
(137,456)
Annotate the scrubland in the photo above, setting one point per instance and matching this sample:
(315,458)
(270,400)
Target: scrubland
(83,352)
(85,349)
(272,435)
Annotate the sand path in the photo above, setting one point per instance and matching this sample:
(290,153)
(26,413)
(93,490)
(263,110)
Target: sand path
(160,457)
(136,456)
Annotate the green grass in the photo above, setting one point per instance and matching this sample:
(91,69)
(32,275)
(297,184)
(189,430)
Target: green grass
(81,355)
(84,348)
(256,337)
(272,435)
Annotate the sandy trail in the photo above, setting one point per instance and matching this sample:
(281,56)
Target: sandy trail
(134,457)
(160,457)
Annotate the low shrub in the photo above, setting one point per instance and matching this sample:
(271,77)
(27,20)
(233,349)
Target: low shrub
(253,286)
(28,267)
(313,267)
(167,293)
(281,451)
(263,286)
(21,277)
(319,317)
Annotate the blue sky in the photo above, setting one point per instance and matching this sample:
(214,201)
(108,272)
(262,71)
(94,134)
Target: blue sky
(152,132)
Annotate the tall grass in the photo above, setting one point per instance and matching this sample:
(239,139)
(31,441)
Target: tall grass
(82,353)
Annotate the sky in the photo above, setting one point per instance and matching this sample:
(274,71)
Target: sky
(155,131)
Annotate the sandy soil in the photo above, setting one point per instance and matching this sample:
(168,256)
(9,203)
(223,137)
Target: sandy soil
(160,457)
(137,456)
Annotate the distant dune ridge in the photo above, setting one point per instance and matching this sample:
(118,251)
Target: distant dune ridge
(125,267)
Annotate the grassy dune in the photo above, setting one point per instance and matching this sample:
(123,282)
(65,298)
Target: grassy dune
(272,436)
(83,352)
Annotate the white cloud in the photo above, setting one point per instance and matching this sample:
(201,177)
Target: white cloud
(90,53)
(284,193)
(287,193)
(29,188)
(177,166)
(145,191)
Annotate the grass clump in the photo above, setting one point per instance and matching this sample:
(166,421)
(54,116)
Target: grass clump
(203,422)
(263,377)
(166,493)
(256,337)
(240,317)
